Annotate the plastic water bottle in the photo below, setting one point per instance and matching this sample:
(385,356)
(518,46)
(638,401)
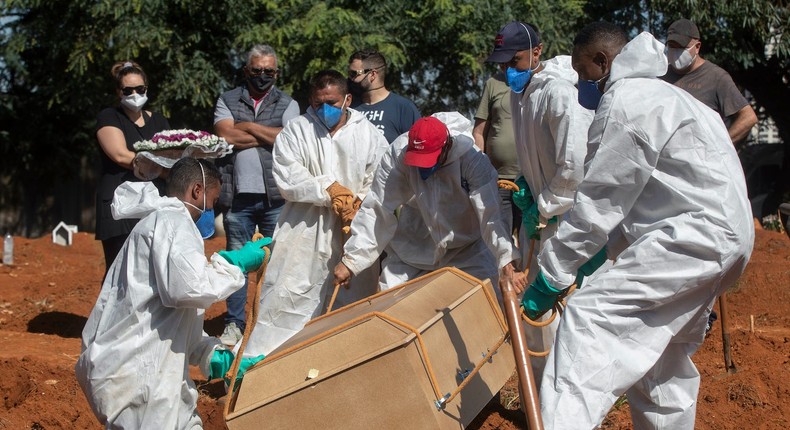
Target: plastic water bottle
(8,249)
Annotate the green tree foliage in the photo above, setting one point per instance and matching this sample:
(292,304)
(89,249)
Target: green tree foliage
(734,33)
(748,38)
(435,48)
(55,58)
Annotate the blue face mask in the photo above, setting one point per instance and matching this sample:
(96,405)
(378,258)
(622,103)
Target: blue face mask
(426,172)
(205,224)
(329,114)
(516,80)
(589,94)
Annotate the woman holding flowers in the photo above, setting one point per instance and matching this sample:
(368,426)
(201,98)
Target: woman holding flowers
(117,129)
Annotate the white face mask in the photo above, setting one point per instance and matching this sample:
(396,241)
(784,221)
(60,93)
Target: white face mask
(680,58)
(134,101)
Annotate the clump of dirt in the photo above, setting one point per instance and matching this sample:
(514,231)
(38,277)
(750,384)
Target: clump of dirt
(46,297)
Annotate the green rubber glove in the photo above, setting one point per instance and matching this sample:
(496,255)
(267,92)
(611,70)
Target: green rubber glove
(539,297)
(250,257)
(530,219)
(590,266)
(220,363)
(523,197)
(245,364)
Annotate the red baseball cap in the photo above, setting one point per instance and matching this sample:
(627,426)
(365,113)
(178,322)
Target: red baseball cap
(426,139)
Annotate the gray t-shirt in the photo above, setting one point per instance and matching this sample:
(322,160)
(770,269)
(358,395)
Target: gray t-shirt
(393,116)
(247,169)
(711,85)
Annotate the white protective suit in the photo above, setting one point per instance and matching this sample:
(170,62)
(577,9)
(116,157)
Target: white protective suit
(551,142)
(147,325)
(663,172)
(308,237)
(550,129)
(453,218)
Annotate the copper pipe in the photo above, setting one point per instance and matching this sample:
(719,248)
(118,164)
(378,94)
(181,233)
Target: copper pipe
(725,333)
(526,379)
(252,318)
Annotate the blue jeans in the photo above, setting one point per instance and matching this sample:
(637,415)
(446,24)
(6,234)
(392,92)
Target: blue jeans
(246,212)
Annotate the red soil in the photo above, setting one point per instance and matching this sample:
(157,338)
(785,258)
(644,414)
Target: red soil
(45,299)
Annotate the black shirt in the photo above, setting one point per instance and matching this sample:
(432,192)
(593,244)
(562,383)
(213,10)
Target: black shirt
(113,174)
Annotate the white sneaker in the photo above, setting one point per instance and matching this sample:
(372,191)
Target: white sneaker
(231,335)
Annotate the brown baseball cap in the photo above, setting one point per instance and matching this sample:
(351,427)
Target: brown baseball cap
(682,31)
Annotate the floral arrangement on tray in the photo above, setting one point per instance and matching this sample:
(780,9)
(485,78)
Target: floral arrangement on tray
(154,157)
(175,139)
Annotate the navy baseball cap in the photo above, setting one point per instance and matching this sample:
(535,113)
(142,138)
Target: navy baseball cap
(513,37)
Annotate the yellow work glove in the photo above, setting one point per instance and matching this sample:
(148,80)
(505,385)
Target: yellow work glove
(348,211)
(339,194)
(337,190)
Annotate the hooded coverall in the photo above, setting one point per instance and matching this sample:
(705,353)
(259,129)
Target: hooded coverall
(663,178)
(308,237)
(550,129)
(452,218)
(147,325)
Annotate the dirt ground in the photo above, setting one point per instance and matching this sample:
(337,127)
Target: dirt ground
(46,296)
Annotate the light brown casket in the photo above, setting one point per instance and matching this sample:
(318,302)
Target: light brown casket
(384,362)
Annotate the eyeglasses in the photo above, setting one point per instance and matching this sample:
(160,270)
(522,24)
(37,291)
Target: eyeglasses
(254,71)
(353,74)
(140,89)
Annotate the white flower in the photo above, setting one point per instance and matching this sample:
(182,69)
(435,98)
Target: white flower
(175,139)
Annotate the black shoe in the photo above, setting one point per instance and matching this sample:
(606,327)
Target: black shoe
(711,319)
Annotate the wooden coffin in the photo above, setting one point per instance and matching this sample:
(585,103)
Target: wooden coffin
(393,361)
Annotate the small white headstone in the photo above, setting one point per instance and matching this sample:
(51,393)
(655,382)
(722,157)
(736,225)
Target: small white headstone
(62,233)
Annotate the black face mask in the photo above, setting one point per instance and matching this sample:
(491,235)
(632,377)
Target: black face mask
(261,83)
(355,87)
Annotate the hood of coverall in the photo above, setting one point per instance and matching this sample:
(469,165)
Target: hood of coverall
(461,130)
(642,57)
(559,67)
(135,200)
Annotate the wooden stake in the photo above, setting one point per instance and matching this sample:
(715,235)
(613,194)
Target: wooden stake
(725,333)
